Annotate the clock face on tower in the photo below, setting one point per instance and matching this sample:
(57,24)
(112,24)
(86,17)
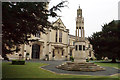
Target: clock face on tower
(79,15)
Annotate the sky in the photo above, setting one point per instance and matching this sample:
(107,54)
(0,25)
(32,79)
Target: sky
(95,12)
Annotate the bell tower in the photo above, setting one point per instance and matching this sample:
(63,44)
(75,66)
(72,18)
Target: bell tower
(80,33)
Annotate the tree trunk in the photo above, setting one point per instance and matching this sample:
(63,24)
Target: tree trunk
(113,60)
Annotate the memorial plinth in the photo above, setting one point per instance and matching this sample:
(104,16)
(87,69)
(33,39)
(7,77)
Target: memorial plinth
(80,55)
(85,67)
(80,63)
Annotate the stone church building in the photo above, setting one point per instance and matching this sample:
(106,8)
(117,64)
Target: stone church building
(55,44)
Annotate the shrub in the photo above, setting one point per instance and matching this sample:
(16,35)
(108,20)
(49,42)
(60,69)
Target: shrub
(18,62)
(71,58)
(87,60)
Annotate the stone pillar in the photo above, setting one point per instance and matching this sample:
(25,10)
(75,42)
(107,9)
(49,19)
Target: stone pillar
(30,54)
(58,36)
(76,34)
(53,48)
(79,55)
(73,52)
(50,52)
(49,35)
(87,54)
(41,52)
(83,34)
(68,54)
(56,53)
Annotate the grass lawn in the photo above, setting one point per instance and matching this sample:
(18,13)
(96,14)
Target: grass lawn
(33,70)
(115,65)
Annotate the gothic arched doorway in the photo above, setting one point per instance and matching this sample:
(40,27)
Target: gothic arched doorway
(35,51)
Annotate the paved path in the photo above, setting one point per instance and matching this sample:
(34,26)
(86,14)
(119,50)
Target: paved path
(53,64)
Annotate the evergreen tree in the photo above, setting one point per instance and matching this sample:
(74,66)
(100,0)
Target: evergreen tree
(106,43)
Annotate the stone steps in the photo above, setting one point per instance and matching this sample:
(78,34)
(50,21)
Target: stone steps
(71,66)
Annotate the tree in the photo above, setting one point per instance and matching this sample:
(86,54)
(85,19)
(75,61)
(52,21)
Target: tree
(106,43)
(20,19)
(95,40)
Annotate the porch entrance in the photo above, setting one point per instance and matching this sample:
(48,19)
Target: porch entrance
(35,51)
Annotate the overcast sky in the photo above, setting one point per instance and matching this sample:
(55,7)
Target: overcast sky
(95,13)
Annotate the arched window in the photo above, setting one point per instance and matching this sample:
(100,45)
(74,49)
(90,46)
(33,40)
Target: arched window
(60,36)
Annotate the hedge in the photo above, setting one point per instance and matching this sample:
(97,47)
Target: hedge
(18,62)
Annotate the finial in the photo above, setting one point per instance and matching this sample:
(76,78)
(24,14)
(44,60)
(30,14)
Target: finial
(79,5)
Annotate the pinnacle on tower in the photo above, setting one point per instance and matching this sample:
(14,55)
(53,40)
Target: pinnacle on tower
(80,33)
(79,6)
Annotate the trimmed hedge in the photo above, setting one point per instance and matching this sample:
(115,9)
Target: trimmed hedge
(18,62)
